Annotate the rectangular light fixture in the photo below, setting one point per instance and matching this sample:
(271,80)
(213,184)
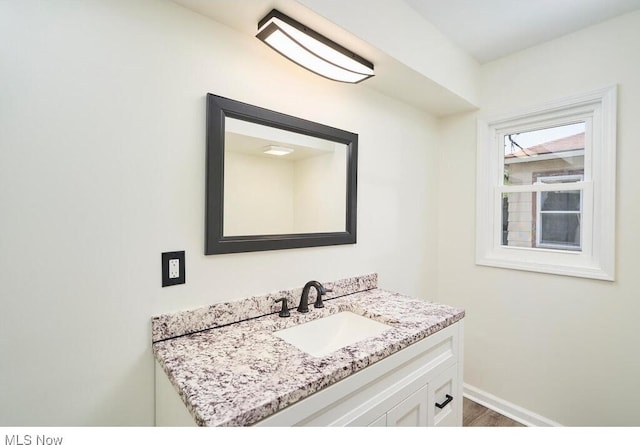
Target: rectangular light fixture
(312,50)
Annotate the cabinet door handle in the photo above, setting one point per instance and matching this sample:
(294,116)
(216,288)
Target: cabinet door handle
(445,403)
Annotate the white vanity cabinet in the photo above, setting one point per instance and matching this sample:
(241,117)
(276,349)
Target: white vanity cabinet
(422,407)
(399,390)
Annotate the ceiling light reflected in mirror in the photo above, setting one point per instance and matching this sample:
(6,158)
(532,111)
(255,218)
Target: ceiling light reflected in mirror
(276,150)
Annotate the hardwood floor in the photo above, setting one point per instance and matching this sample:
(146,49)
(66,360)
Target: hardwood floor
(474,414)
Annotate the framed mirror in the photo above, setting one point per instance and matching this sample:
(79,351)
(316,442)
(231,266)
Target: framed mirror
(275,181)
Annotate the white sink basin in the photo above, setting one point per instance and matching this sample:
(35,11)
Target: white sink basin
(326,335)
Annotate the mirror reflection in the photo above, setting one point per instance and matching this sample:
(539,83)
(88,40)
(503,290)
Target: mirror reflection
(276,181)
(281,182)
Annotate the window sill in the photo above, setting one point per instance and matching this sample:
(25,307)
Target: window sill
(567,263)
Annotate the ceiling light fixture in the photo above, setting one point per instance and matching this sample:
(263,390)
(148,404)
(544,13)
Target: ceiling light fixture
(312,50)
(277,150)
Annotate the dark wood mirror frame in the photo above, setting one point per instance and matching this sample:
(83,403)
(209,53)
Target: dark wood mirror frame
(218,108)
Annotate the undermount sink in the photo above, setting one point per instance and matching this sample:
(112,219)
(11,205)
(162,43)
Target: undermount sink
(326,335)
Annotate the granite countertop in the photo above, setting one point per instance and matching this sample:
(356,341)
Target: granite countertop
(240,373)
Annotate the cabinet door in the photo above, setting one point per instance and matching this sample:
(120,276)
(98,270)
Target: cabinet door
(444,399)
(380,421)
(412,411)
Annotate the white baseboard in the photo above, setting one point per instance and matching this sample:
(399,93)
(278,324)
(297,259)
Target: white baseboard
(505,408)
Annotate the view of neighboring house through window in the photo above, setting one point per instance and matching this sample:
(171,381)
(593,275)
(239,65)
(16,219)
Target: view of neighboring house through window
(546,167)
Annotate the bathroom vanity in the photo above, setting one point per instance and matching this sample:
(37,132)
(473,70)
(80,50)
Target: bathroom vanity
(241,364)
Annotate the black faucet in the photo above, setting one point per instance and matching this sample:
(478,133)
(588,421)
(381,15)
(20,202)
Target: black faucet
(304,299)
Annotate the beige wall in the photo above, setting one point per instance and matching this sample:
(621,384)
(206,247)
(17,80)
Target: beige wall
(102,124)
(258,195)
(564,348)
(320,192)
(270,195)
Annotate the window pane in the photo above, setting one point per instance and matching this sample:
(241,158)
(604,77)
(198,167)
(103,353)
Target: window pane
(518,219)
(552,151)
(561,230)
(560,201)
(548,220)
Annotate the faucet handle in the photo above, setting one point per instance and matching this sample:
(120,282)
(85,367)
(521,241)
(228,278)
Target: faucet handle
(284,312)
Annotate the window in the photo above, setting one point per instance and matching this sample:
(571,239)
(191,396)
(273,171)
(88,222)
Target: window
(546,188)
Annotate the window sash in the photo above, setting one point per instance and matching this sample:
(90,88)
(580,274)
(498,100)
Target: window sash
(540,239)
(579,115)
(586,206)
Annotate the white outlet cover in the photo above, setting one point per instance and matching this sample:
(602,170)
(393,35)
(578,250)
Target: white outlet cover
(174,268)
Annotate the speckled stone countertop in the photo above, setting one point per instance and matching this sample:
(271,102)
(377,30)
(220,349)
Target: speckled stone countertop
(240,373)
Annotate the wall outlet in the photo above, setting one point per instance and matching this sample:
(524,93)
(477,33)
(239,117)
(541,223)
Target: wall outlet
(173,268)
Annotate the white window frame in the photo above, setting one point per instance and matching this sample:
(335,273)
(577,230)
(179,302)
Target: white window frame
(596,258)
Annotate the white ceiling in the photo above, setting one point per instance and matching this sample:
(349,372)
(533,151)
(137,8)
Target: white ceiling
(485,29)
(490,29)
(392,77)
